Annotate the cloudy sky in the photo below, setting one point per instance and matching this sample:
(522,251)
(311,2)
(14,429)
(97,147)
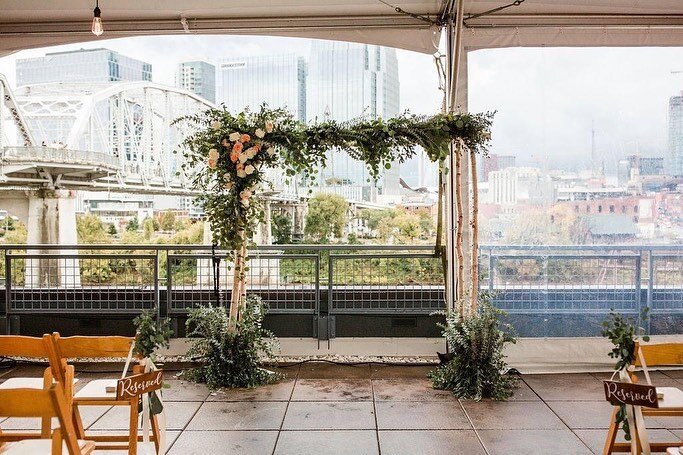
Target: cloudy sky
(547,99)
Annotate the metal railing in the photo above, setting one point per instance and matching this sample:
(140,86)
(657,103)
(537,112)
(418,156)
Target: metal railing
(549,290)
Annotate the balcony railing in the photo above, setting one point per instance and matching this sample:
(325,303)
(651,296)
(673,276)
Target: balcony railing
(547,291)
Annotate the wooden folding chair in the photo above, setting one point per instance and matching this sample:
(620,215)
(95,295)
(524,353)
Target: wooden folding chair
(102,392)
(35,348)
(670,405)
(45,404)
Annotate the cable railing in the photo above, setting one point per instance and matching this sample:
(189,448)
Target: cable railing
(561,290)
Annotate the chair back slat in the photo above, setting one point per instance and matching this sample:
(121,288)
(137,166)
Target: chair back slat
(23,346)
(26,403)
(92,347)
(661,354)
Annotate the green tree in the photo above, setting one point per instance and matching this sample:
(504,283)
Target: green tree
(281,226)
(148,228)
(166,220)
(90,230)
(326,217)
(111,230)
(133,225)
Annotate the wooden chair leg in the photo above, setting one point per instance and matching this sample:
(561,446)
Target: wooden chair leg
(611,433)
(133,429)
(78,422)
(156,433)
(46,422)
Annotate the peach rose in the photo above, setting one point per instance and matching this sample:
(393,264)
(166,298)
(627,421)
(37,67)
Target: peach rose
(213,154)
(212,164)
(260,133)
(237,147)
(269,127)
(245,138)
(234,137)
(234,156)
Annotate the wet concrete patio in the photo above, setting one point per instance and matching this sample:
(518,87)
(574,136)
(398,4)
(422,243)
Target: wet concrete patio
(323,408)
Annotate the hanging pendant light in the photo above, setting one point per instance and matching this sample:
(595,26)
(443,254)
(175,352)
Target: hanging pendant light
(97,28)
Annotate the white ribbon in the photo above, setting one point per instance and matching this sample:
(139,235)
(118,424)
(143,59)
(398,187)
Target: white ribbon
(161,418)
(634,417)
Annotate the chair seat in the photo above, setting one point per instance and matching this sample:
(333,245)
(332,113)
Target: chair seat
(24,383)
(40,447)
(672,399)
(97,389)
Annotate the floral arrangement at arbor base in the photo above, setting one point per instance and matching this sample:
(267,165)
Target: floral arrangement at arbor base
(231,357)
(477,368)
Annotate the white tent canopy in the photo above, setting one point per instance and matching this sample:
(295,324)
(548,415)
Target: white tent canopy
(36,23)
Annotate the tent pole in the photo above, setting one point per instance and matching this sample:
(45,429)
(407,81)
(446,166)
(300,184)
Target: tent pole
(453,59)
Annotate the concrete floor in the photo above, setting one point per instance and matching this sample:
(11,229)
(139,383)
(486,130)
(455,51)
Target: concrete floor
(328,409)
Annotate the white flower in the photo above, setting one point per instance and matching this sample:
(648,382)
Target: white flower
(234,137)
(241,174)
(216,125)
(270,151)
(260,133)
(243,157)
(249,169)
(251,152)
(213,154)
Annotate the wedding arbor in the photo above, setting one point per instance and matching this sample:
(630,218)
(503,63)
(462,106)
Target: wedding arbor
(418,25)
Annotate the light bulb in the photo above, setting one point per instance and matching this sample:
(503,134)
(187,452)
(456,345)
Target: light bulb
(97,28)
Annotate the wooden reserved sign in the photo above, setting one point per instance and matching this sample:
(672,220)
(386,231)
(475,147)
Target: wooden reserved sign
(132,386)
(619,393)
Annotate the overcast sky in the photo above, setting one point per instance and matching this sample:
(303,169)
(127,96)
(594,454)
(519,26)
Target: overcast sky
(546,98)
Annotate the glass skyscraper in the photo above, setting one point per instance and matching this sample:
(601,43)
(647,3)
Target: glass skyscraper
(278,80)
(348,81)
(674,159)
(198,77)
(84,65)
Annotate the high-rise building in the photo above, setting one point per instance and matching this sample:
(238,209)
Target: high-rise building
(199,77)
(84,65)
(674,159)
(348,81)
(494,162)
(277,80)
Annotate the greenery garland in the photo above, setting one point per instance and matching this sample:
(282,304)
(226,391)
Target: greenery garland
(228,154)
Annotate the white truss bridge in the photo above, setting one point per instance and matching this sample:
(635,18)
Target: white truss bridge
(116,136)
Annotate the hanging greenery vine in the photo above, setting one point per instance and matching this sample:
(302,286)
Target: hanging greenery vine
(229,154)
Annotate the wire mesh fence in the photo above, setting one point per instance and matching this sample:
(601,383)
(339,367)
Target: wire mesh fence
(80,282)
(379,283)
(285,283)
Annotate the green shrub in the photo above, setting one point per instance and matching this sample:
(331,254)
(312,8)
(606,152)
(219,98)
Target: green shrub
(232,359)
(477,369)
(152,333)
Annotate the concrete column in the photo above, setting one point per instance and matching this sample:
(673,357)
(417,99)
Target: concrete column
(298,221)
(50,218)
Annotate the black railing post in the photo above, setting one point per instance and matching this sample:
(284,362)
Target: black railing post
(169,284)
(157,302)
(5,305)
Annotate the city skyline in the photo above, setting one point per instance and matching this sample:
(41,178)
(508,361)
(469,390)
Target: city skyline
(563,91)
